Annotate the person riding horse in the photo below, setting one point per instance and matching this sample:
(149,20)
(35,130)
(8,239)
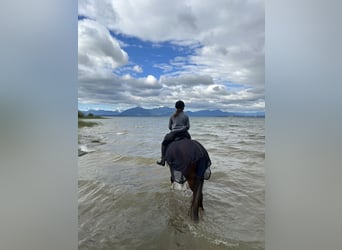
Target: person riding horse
(187,159)
(179,125)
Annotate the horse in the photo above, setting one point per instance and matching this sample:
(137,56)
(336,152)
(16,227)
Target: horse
(189,161)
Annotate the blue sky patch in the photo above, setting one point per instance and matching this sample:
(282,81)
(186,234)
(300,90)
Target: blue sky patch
(154,58)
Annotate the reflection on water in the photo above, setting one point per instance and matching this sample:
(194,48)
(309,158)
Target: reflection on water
(125,199)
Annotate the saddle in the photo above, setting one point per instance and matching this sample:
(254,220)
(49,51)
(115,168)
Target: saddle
(182,136)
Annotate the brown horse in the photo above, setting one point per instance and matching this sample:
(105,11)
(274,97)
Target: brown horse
(189,161)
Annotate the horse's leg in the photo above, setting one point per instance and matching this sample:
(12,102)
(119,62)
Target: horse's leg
(191,182)
(191,176)
(197,199)
(201,196)
(201,170)
(191,179)
(196,185)
(171,175)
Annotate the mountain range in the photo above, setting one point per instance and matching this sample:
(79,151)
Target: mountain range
(165,111)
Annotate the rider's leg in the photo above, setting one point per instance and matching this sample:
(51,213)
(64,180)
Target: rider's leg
(163,151)
(167,139)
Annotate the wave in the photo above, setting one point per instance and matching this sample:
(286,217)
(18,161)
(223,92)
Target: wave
(125,132)
(83,150)
(133,159)
(128,204)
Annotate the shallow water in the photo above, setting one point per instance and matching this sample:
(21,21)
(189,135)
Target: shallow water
(125,199)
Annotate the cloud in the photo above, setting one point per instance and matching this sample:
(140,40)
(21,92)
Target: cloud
(187,80)
(224,70)
(138,69)
(151,92)
(225,22)
(163,66)
(97,49)
(101,11)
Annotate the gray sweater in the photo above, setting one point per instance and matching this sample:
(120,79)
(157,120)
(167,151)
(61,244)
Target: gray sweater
(180,123)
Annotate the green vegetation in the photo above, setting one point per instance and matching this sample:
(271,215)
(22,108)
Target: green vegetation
(89,116)
(82,123)
(81,119)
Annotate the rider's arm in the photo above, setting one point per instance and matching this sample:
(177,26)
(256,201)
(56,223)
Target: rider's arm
(170,123)
(187,123)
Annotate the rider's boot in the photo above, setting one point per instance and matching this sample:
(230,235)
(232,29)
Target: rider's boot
(163,152)
(161,162)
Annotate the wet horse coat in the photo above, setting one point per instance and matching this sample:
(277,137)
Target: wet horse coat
(189,161)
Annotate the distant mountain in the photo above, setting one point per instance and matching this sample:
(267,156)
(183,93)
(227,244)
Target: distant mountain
(165,111)
(137,111)
(101,112)
(208,113)
(249,114)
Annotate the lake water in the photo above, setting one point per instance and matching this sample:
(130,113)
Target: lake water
(125,200)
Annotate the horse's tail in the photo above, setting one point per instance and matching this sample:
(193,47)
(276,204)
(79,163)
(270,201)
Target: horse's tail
(197,199)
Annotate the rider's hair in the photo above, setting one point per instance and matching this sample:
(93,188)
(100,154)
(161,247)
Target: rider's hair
(179,105)
(178,111)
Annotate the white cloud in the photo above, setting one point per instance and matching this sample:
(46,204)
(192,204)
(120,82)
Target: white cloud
(187,80)
(227,38)
(97,49)
(138,69)
(150,92)
(101,11)
(164,66)
(151,80)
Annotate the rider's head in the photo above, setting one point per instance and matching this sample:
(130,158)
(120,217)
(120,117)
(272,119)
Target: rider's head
(179,105)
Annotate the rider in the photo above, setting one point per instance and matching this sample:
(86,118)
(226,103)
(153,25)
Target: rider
(179,125)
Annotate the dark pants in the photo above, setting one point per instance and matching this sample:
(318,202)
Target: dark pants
(170,137)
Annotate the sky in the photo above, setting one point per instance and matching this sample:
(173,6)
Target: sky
(151,53)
